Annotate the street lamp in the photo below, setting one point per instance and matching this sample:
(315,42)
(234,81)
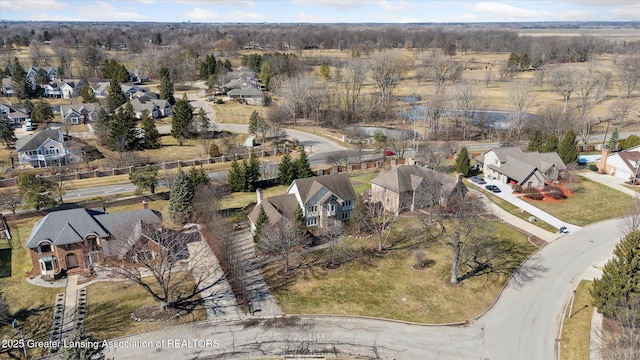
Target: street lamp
(14,324)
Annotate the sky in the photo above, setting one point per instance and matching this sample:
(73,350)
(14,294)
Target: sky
(319,11)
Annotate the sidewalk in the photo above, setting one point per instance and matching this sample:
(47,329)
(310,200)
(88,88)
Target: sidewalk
(70,307)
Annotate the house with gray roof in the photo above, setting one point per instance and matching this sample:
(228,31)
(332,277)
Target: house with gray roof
(248,94)
(42,149)
(79,113)
(513,166)
(72,88)
(321,198)
(72,241)
(413,188)
(7,87)
(157,108)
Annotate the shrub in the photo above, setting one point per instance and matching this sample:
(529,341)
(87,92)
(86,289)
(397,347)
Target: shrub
(517,188)
(533,193)
(593,167)
(219,101)
(555,192)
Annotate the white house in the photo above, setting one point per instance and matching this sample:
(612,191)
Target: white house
(100,89)
(7,87)
(157,108)
(79,113)
(42,149)
(72,88)
(623,164)
(52,90)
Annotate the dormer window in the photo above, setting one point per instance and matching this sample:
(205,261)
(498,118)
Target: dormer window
(45,248)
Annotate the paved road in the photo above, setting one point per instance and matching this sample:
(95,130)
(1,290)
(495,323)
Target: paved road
(523,324)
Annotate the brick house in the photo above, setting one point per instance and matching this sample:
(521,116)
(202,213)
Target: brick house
(72,241)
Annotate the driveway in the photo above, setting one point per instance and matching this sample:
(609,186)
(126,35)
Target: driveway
(508,195)
(613,182)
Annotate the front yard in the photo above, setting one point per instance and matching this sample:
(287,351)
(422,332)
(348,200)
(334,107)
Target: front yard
(388,287)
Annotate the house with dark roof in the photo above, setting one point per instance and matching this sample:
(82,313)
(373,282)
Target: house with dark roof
(157,108)
(72,241)
(511,165)
(79,113)
(72,88)
(247,94)
(18,116)
(321,198)
(48,74)
(413,188)
(42,149)
(623,164)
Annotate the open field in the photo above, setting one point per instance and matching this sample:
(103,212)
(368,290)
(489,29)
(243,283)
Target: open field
(592,202)
(232,112)
(574,340)
(388,287)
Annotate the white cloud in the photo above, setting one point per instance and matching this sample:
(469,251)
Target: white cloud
(9,5)
(146,2)
(302,17)
(199,14)
(505,11)
(104,11)
(574,15)
(233,3)
(395,6)
(337,4)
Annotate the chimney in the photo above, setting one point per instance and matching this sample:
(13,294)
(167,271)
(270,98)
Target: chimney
(259,196)
(460,176)
(602,163)
(145,204)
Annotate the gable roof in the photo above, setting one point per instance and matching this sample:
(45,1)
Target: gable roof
(65,109)
(249,91)
(519,165)
(72,226)
(403,178)
(276,208)
(33,141)
(630,158)
(338,184)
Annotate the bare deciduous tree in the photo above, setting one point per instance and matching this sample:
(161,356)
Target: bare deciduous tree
(563,80)
(468,101)
(554,120)
(622,340)
(386,71)
(628,75)
(520,94)
(380,223)
(11,199)
(281,240)
(348,85)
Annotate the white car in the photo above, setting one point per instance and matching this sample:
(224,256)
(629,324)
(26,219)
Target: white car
(28,126)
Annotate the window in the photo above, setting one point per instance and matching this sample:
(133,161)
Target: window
(495,161)
(348,203)
(45,248)
(68,247)
(312,208)
(332,207)
(345,215)
(312,221)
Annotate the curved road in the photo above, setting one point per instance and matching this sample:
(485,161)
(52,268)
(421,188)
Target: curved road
(523,324)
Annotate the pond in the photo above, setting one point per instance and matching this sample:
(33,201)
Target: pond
(501,120)
(390,133)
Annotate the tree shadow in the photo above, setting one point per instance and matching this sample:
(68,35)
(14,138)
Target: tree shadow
(5,263)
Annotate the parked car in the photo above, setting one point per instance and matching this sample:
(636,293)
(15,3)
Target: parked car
(493,188)
(478,180)
(564,230)
(389,153)
(28,126)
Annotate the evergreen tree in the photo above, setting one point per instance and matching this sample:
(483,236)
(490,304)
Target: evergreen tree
(227,64)
(463,162)
(568,148)
(166,86)
(631,141)
(28,105)
(235,176)
(550,144)
(612,145)
(260,221)
(214,150)
(37,192)
(204,126)
(123,135)
(287,170)
(181,198)
(115,96)
(7,132)
(209,67)
(151,134)
(88,96)
(101,127)
(198,177)
(265,74)
(182,117)
(252,173)
(257,124)
(620,277)
(303,168)
(536,142)
(42,113)
(146,178)
(301,223)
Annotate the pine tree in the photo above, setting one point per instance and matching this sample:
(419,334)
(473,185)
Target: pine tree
(88,96)
(568,148)
(235,177)
(254,123)
(536,142)
(115,96)
(265,74)
(166,86)
(303,168)
(550,144)
(181,198)
(214,150)
(101,127)
(620,277)
(151,134)
(612,145)
(146,178)
(260,221)
(122,130)
(42,113)
(301,223)
(252,173)
(204,126)
(287,170)
(198,177)
(463,162)
(182,117)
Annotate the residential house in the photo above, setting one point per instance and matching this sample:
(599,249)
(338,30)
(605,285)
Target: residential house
(53,90)
(157,108)
(100,89)
(413,188)
(321,198)
(72,88)
(42,149)
(73,241)
(513,166)
(623,164)
(18,116)
(79,113)
(7,87)
(131,91)
(248,94)
(48,73)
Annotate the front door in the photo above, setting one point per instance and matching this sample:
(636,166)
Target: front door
(72,261)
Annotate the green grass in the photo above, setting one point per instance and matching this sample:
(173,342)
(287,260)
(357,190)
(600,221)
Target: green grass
(361,180)
(388,287)
(109,308)
(574,340)
(516,211)
(593,202)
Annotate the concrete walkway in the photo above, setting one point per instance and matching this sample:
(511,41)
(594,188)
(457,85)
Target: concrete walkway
(610,181)
(508,195)
(70,307)
(219,299)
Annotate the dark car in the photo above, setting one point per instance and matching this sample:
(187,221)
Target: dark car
(493,188)
(478,180)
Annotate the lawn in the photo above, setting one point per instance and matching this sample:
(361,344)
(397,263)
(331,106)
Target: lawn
(109,308)
(232,112)
(593,202)
(574,340)
(388,287)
